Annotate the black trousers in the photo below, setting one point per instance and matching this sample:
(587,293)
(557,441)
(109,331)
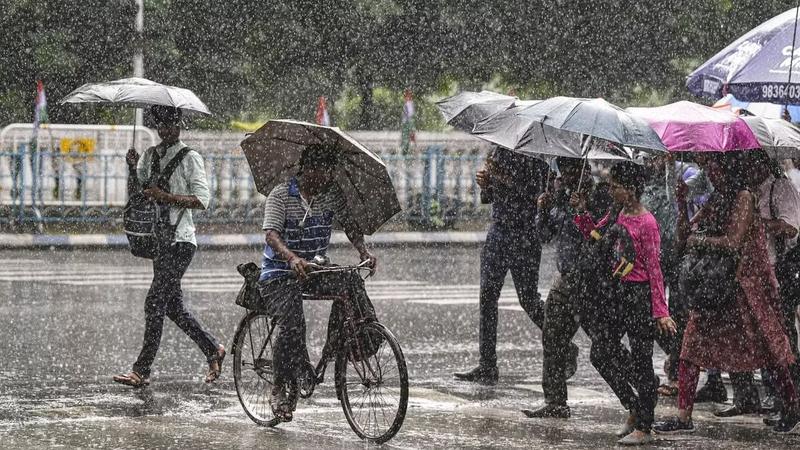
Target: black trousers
(629,374)
(283,300)
(165,297)
(560,326)
(517,249)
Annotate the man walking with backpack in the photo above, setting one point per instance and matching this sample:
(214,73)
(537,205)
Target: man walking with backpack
(174,177)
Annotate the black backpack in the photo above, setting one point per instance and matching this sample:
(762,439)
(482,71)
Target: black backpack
(146,222)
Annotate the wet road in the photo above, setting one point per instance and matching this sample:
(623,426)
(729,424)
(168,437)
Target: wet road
(74,318)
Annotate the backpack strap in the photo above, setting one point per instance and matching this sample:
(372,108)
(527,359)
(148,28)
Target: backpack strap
(163,178)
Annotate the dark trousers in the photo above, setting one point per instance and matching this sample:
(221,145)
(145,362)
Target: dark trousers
(560,326)
(514,248)
(790,300)
(629,374)
(165,297)
(283,300)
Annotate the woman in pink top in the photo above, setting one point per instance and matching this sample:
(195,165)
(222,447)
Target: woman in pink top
(637,309)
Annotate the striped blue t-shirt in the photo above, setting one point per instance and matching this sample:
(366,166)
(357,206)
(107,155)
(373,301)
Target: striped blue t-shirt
(285,211)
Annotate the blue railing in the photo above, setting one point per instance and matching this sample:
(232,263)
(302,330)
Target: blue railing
(435,188)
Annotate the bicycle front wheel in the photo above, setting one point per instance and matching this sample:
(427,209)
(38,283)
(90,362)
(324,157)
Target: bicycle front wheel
(372,383)
(252,367)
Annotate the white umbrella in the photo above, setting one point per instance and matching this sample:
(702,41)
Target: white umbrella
(273,153)
(779,138)
(137,93)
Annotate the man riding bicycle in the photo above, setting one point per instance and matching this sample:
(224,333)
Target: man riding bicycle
(298,218)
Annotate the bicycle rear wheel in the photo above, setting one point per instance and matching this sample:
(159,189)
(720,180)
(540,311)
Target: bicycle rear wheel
(373,387)
(252,367)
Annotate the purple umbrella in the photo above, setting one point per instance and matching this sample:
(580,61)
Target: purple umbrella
(690,127)
(757,67)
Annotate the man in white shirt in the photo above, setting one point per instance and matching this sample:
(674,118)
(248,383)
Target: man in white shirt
(187,189)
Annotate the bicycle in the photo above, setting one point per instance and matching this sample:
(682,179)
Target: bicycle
(372,389)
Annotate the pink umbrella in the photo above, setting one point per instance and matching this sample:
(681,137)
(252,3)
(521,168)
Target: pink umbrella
(690,127)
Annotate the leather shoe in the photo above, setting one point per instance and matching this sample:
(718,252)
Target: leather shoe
(712,391)
(735,410)
(548,411)
(480,374)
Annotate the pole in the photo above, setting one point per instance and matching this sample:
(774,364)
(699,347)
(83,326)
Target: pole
(585,152)
(791,58)
(138,61)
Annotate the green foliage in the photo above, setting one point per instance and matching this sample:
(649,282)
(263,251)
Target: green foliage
(255,60)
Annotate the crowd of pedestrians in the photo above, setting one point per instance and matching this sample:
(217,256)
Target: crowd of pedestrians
(664,231)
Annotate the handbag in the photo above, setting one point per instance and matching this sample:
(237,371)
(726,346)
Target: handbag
(708,279)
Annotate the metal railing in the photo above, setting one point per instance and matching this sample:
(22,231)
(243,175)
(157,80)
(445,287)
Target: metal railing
(435,187)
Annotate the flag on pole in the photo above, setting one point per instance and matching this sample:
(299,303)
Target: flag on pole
(40,107)
(322,117)
(408,132)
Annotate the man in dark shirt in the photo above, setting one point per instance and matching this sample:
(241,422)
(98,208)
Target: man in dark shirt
(555,221)
(511,183)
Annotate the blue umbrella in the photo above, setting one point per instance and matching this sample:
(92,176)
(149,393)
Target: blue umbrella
(760,66)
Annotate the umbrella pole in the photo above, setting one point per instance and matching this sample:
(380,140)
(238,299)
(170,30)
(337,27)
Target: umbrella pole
(585,152)
(133,141)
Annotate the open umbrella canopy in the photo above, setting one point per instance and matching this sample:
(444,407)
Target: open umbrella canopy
(465,109)
(686,126)
(757,67)
(273,153)
(779,138)
(137,93)
(558,127)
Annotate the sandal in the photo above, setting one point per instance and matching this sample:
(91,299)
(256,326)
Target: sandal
(132,379)
(668,390)
(214,372)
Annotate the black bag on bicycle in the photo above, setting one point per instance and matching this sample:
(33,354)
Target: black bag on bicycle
(248,296)
(146,222)
(369,342)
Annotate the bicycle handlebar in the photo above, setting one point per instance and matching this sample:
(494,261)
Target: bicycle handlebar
(363,265)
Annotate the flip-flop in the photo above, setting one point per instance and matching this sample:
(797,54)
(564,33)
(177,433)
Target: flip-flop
(132,379)
(213,374)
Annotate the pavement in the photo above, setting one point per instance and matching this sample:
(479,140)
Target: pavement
(71,319)
(229,241)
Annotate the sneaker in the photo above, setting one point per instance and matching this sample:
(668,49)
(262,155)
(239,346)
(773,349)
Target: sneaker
(548,411)
(713,391)
(636,439)
(480,375)
(788,423)
(674,425)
